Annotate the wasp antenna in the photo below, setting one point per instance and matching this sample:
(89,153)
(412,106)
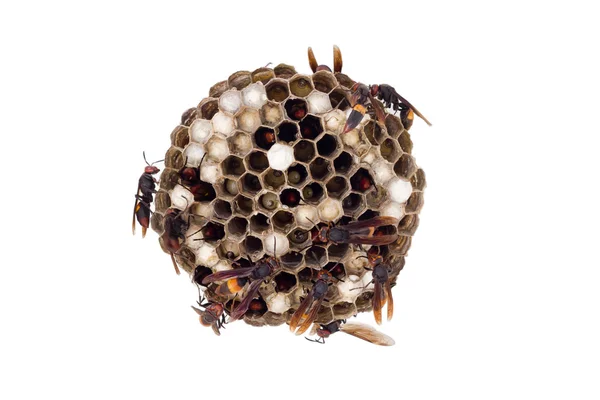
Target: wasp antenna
(312,61)
(156,161)
(337,59)
(269,63)
(144,154)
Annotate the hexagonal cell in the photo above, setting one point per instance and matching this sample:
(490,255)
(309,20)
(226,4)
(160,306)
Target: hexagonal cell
(251,184)
(353,203)
(239,80)
(216,149)
(283,220)
(254,95)
(310,127)
(406,166)
(240,143)
(290,197)
(330,209)
(393,125)
(337,252)
(271,113)
(208,108)
(249,120)
(320,168)
(301,86)
(328,145)
(228,189)
(200,130)
(405,142)
(264,137)
(299,237)
(390,150)
(316,256)
(252,245)
(339,100)
(244,205)
(274,179)
(343,163)
(229,250)
(287,132)
(180,136)
(296,175)
(203,192)
(201,272)
(276,242)
(402,245)
(268,201)
(284,71)
(318,103)
(223,123)
(370,132)
(259,223)
(337,187)
(218,89)
(408,225)
(257,161)
(291,260)
(344,80)
(415,203)
(192,154)
(263,75)
(304,151)
(233,166)
(392,209)
(312,193)
(284,282)
(324,81)
(364,302)
(280,156)
(168,179)
(212,231)
(418,180)
(222,209)
(399,190)
(257,308)
(361,181)
(230,101)
(188,117)
(306,275)
(277,91)
(296,109)
(237,226)
(344,310)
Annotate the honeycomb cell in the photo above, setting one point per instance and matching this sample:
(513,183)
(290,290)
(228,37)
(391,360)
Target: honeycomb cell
(306,275)
(408,225)
(249,120)
(254,95)
(257,161)
(268,201)
(233,166)
(287,132)
(257,308)
(222,209)
(299,238)
(291,260)
(316,256)
(263,75)
(276,244)
(390,150)
(296,109)
(277,90)
(285,282)
(324,81)
(320,169)
(237,226)
(393,209)
(310,127)
(290,197)
(415,203)
(393,125)
(339,100)
(251,184)
(192,154)
(218,89)
(259,223)
(405,142)
(343,163)
(344,310)
(228,249)
(274,179)
(344,80)
(223,123)
(399,190)
(401,246)
(162,201)
(337,187)
(296,175)
(283,220)
(200,130)
(284,71)
(228,188)
(216,149)
(330,209)
(312,193)
(361,181)
(305,215)
(180,137)
(168,179)
(213,231)
(201,272)
(210,172)
(208,108)
(328,146)
(239,80)
(301,86)
(335,120)
(304,151)
(406,166)
(418,180)
(252,245)
(318,103)
(280,156)
(230,101)
(336,268)
(370,132)
(240,143)
(353,204)
(264,137)
(243,205)
(181,198)
(271,113)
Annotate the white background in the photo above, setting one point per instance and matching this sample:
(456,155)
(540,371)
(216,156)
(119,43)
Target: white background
(499,297)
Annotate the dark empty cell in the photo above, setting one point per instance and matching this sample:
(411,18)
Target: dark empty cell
(259,223)
(312,193)
(337,252)
(405,167)
(265,137)
(342,163)
(251,184)
(213,231)
(269,201)
(352,203)
(310,127)
(337,186)
(277,91)
(257,307)
(298,236)
(253,244)
(368,215)
(284,282)
(258,161)
(209,109)
(287,132)
(327,145)
(291,260)
(316,255)
(370,132)
(338,100)
(389,150)
(324,81)
(237,226)
(290,197)
(203,191)
(274,179)
(296,174)
(233,166)
(361,181)
(304,151)
(296,109)
(320,168)
(222,209)
(244,205)
(307,275)
(301,86)
(283,220)
(201,272)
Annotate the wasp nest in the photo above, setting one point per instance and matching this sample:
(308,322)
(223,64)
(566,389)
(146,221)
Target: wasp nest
(274,167)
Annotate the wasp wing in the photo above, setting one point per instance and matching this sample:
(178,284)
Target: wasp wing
(403,100)
(374,240)
(230,273)
(368,333)
(365,226)
(377,302)
(390,300)
(135,208)
(311,316)
(241,308)
(297,316)
(379,112)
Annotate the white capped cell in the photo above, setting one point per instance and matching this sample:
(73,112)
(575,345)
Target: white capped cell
(216,149)
(350,288)
(209,172)
(318,102)
(249,120)
(193,154)
(392,209)
(200,131)
(399,189)
(277,240)
(254,95)
(206,255)
(203,209)
(278,303)
(307,216)
(230,101)
(352,138)
(242,143)
(272,113)
(280,156)
(223,123)
(330,209)
(194,233)
(181,198)
(382,172)
(335,121)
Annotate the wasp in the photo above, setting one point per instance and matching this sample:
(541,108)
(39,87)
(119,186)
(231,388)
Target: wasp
(145,196)
(337,61)
(356,329)
(190,177)
(236,279)
(381,281)
(213,315)
(176,226)
(358,232)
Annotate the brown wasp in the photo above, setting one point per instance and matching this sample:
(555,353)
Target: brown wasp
(145,196)
(381,281)
(213,314)
(358,232)
(190,177)
(356,329)
(337,61)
